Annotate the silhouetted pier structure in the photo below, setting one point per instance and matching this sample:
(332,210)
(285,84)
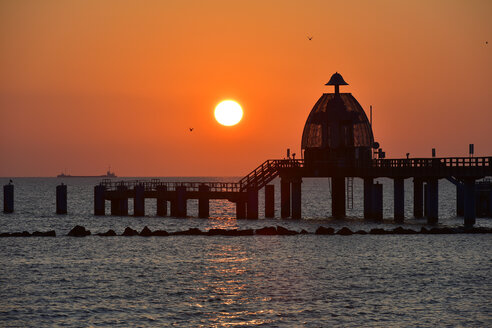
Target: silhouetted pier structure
(337,143)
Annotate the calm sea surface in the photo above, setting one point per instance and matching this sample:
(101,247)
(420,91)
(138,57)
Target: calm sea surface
(269,281)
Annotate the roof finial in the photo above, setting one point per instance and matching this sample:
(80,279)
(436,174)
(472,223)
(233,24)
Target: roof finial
(336,80)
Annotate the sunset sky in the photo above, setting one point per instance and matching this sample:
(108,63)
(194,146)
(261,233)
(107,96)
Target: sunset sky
(87,84)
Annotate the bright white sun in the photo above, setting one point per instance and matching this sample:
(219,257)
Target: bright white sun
(228,113)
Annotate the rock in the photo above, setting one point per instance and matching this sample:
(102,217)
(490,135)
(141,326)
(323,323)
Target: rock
(4,234)
(246,232)
(286,232)
(325,231)
(360,232)
(146,232)
(129,232)
(50,233)
(344,232)
(109,233)
(423,230)
(442,231)
(79,231)
(160,233)
(189,232)
(216,232)
(378,231)
(267,231)
(304,232)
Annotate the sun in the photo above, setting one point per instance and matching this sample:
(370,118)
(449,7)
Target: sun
(228,113)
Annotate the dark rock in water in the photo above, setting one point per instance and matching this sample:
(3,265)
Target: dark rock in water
(160,233)
(79,231)
(129,232)
(109,233)
(378,231)
(189,232)
(325,231)
(286,232)
(477,230)
(245,232)
(4,234)
(403,231)
(217,232)
(344,232)
(20,234)
(424,230)
(360,232)
(267,231)
(50,233)
(146,232)
(304,232)
(442,231)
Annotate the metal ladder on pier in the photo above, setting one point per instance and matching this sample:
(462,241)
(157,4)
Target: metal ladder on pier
(350,193)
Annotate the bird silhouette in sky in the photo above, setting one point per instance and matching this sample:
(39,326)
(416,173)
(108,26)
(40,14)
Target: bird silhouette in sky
(191,129)
(310,38)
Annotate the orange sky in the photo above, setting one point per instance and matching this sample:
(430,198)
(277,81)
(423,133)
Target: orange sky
(87,84)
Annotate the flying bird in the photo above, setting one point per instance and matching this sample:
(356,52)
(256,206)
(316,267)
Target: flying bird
(310,38)
(191,129)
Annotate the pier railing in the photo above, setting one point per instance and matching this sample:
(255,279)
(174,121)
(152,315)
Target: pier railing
(153,184)
(433,162)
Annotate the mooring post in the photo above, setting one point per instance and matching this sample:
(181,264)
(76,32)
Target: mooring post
(252,204)
(338,197)
(181,201)
(203,201)
(460,200)
(161,200)
(399,199)
(8,198)
(433,216)
(368,210)
(426,199)
(61,199)
(296,198)
(99,202)
(284,198)
(139,200)
(470,204)
(418,198)
(377,201)
(123,200)
(240,209)
(269,201)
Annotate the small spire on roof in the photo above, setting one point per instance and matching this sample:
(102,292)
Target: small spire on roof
(336,80)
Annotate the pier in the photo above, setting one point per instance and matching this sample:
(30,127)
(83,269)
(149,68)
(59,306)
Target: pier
(337,143)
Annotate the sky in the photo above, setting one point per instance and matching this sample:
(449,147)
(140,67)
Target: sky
(89,84)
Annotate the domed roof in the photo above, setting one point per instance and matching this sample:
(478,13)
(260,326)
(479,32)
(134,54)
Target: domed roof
(337,121)
(336,79)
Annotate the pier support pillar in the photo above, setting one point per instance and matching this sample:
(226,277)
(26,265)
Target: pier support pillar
(418,198)
(240,209)
(61,199)
(460,200)
(338,197)
(433,196)
(368,211)
(284,198)
(99,202)
(252,204)
(139,201)
(181,202)
(203,201)
(161,201)
(399,199)
(269,201)
(426,200)
(470,204)
(377,201)
(296,198)
(8,198)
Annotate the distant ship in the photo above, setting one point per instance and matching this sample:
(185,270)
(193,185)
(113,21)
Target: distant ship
(108,174)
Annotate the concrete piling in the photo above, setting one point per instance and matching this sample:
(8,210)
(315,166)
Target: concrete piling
(181,202)
(399,199)
(296,198)
(368,210)
(418,198)
(433,197)
(99,202)
(203,201)
(470,199)
(338,197)
(240,209)
(139,201)
(61,199)
(252,204)
(269,201)
(161,201)
(377,201)
(460,200)
(8,198)
(284,198)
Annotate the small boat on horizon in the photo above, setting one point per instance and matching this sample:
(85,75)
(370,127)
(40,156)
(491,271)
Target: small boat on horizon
(108,174)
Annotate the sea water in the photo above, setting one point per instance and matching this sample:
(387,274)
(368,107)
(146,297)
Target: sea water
(217,281)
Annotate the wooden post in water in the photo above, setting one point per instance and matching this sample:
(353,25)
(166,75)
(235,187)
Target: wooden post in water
(470,202)
(8,198)
(399,199)
(418,198)
(99,202)
(433,216)
(296,198)
(240,209)
(252,204)
(377,201)
(203,201)
(368,210)
(61,199)
(338,197)
(181,201)
(139,201)
(161,200)
(284,198)
(269,201)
